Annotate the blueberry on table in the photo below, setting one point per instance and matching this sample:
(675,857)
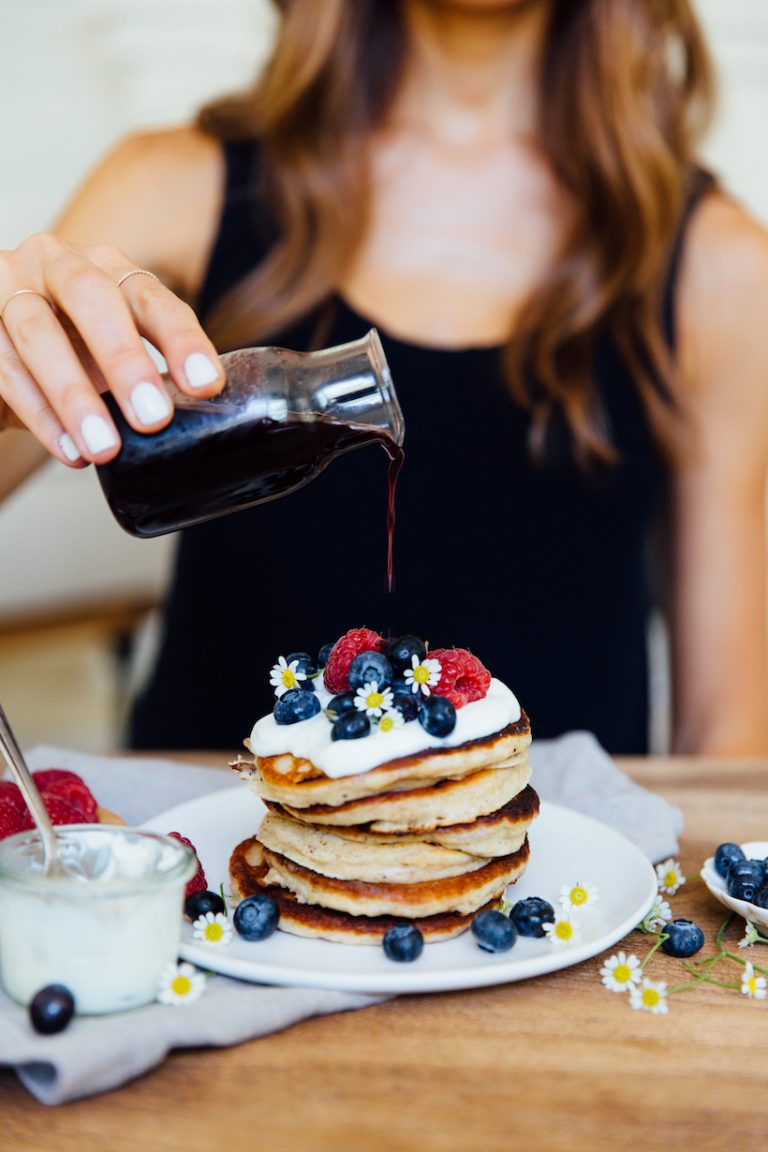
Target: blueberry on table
(370,667)
(296,705)
(351,726)
(494,931)
(51,1009)
(684,938)
(403,943)
(204,901)
(727,855)
(400,652)
(437,716)
(531,914)
(256,917)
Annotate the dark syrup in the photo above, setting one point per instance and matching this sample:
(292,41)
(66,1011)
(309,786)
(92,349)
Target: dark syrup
(186,474)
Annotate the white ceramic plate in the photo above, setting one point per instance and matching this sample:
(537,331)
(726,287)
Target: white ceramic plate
(757,849)
(565,847)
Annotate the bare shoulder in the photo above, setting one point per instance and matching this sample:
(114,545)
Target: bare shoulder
(156,195)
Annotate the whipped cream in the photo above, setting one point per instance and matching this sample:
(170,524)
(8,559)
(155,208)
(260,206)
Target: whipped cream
(311,739)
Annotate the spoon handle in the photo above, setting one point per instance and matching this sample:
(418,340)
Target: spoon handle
(14,758)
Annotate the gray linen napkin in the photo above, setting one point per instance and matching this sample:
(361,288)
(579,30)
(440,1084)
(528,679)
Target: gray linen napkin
(96,1054)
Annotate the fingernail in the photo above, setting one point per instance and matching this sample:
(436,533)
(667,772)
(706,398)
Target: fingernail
(68,447)
(199,370)
(97,434)
(149,403)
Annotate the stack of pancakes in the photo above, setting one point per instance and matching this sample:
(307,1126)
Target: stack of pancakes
(431,838)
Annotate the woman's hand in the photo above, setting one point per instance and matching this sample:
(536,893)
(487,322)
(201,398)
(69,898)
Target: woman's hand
(72,321)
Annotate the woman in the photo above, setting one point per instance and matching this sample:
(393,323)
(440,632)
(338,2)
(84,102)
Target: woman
(573,315)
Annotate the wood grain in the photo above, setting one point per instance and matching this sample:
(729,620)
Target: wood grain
(557,1063)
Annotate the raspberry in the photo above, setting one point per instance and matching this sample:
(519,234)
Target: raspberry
(463,678)
(11,793)
(351,644)
(60,811)
(13,819)
(198,883)
(71,788)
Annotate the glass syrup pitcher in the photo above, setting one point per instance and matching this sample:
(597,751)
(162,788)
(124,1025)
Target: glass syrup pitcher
(281,419)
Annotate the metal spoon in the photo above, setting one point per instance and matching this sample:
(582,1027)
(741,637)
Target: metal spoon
(14,758)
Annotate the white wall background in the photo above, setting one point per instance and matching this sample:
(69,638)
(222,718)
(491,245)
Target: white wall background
(74,75)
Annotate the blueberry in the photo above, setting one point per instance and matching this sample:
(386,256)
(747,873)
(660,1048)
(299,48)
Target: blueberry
(51,1009)
(495,932)
(403,943)
(437,716)
(256,917)
(726,855)
(531,914)
(684,938)
(306,664)
(201,902)
(406,703)
(324,655)
(340,704)
(759,867)
(743,887)
(761,899)
(400,652)
(295,705)
(350,726)
(746,870)
(370,667)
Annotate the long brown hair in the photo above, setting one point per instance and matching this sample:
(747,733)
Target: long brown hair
(625,91)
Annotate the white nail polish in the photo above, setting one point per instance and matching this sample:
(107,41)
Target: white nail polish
(149,403)
(97,434)
(68,447)
(199,370)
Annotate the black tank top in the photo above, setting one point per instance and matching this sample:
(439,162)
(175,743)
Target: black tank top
(541,571)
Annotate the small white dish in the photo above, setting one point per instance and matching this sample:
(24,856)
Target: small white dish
(753,849)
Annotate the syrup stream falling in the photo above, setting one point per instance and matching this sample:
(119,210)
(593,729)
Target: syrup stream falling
(396,457)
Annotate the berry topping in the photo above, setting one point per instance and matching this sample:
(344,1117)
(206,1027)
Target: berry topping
(437,716)
(726,856)
(323,654)
(400,652)
(494,931)
(12,818)
(403,943)
(684,938)
(256,917)
(198,883)
(351,644)
(202,901)
(304,663)
(339,705)
(531,914)
(51,1009)
(12,793)
(370,667)
(69,787)
(351,726)
(463,678)
(296,705)
(60,811)
(404,701)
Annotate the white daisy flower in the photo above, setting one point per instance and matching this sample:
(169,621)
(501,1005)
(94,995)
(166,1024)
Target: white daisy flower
(180,984)
(650,996)
(562,932)
(756,987)
(670,876)
(213,928)
(423,677)
(391,720)
(621,972)
(285,676)
(373,701)
(659,915)
(750,935)
(577,896)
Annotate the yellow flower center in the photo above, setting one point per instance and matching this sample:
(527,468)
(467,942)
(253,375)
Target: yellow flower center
(579,895)
(670,879)
(182,985)
(650,997)
(564,930)
(289,678)
(421,674)
(374,700)
(622,973)
(752,985)
(214,932)
(386,724)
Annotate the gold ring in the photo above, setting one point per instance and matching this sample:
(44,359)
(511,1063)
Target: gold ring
(23,292)
(136,272)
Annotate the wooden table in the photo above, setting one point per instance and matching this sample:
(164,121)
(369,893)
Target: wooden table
(556,1063)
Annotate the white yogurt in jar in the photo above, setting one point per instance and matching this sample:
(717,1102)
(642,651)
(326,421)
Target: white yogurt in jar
(106,928)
